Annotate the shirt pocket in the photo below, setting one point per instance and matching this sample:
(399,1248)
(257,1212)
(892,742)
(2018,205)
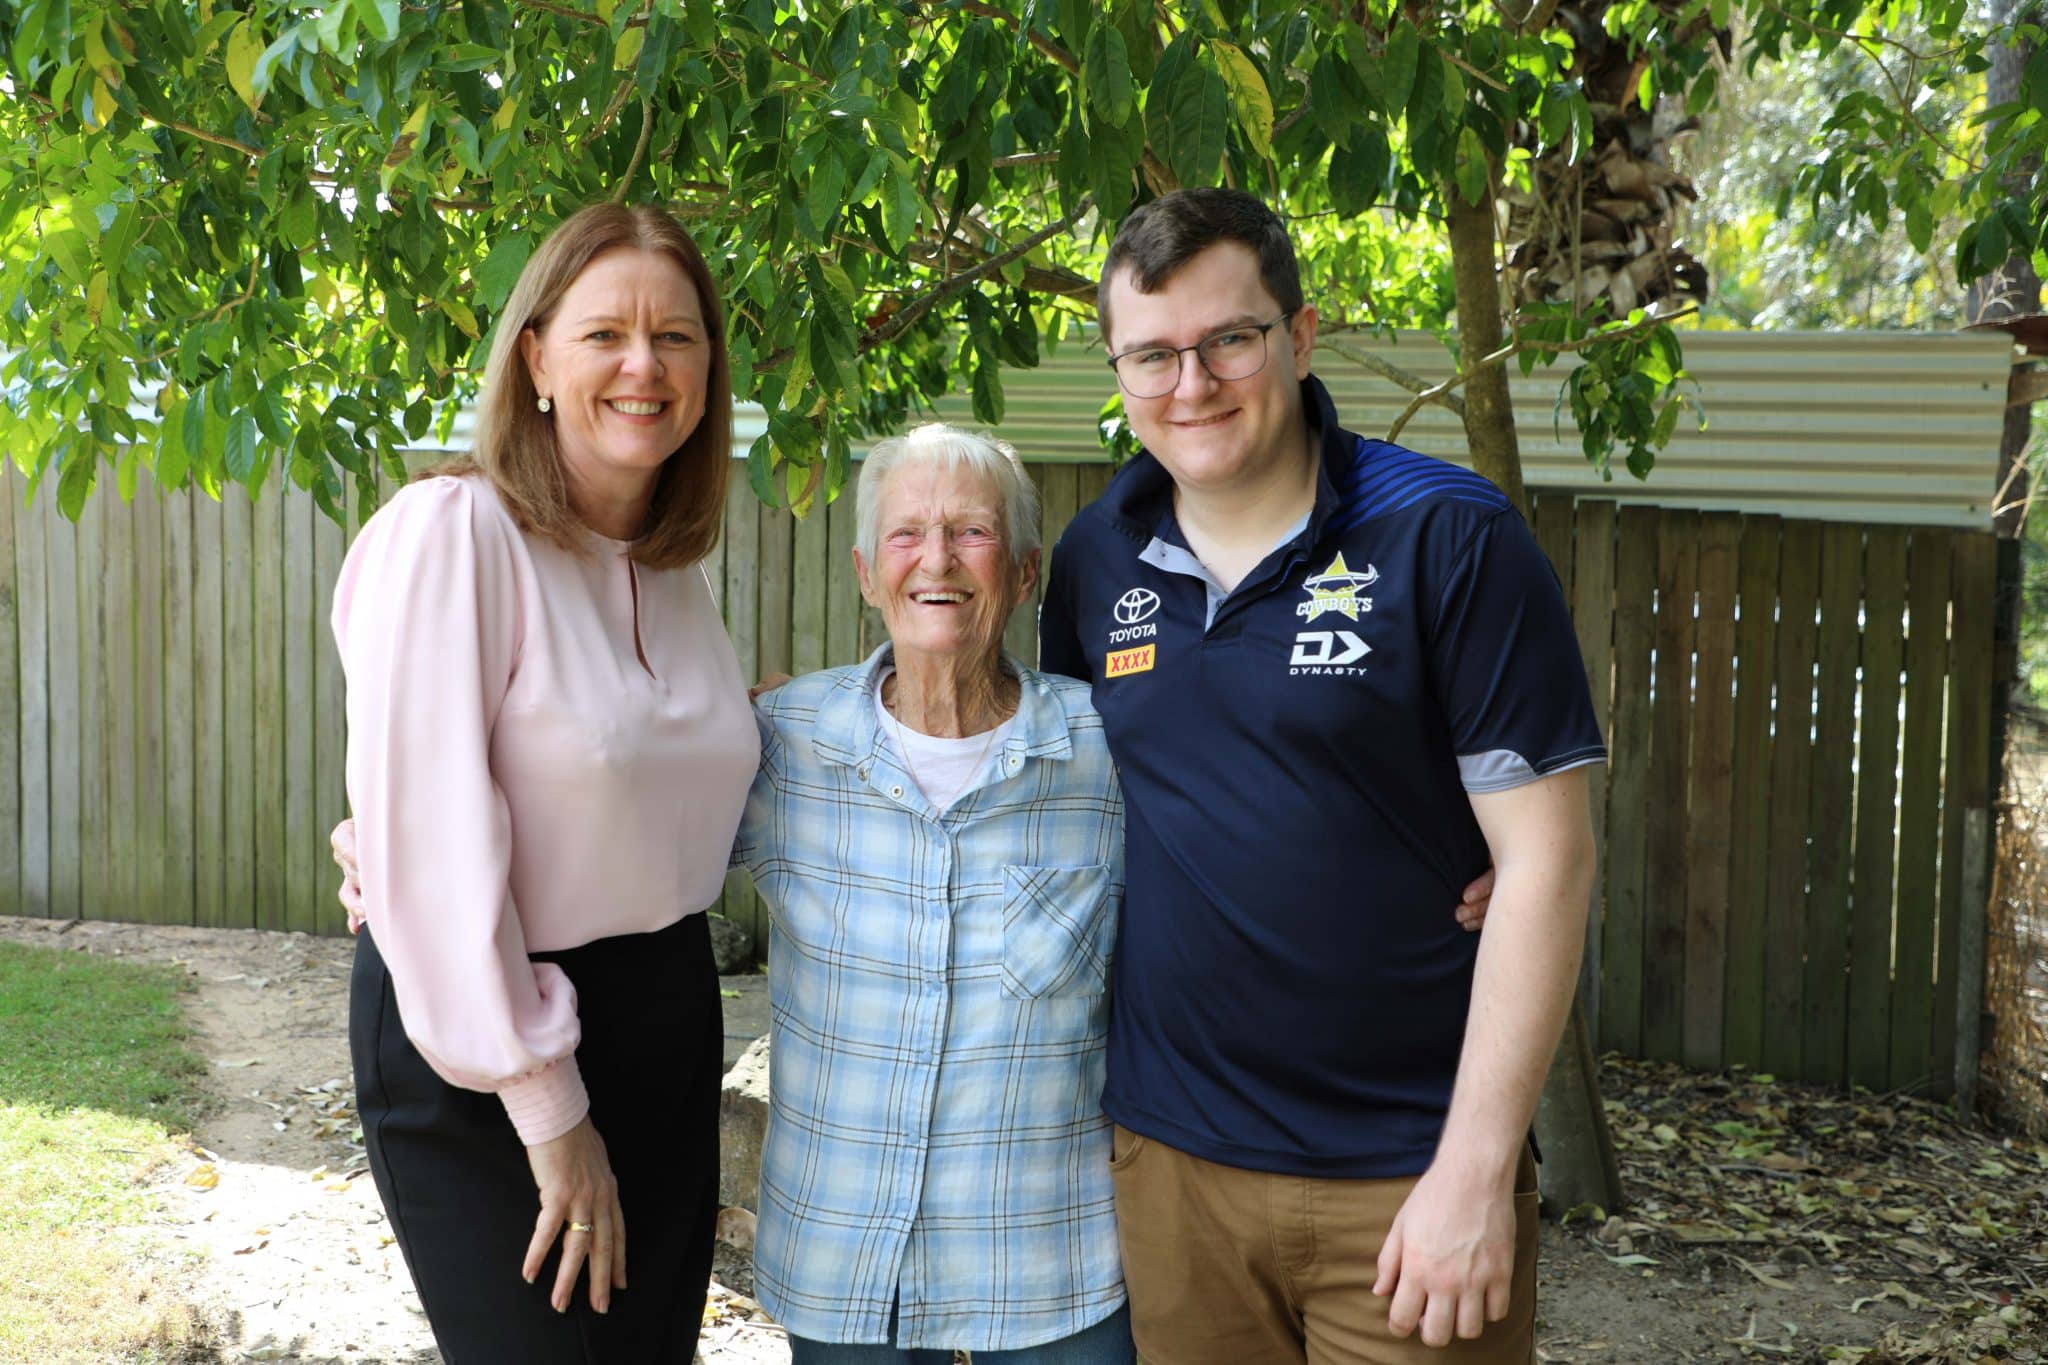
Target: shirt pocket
(1056,923)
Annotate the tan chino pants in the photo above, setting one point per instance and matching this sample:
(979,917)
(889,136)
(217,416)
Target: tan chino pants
(1234,1267)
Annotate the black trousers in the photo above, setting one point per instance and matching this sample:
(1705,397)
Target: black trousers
(454,1178)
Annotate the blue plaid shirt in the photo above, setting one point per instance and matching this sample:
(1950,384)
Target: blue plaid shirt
(935,1131)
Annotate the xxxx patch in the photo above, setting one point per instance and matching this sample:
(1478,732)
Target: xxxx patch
(1123,661)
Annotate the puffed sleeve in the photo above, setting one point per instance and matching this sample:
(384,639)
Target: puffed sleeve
(426,615)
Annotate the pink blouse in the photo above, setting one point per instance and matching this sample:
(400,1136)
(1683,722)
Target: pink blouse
(521,780)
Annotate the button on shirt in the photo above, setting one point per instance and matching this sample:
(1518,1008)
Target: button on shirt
(939,1018)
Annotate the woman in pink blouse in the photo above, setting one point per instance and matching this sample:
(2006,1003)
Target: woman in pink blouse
(536,668)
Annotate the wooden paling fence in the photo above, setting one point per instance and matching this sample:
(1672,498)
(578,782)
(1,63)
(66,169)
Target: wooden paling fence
(1796,827)
(1792,824)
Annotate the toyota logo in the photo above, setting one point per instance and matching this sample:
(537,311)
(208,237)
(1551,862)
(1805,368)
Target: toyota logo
(1135,605)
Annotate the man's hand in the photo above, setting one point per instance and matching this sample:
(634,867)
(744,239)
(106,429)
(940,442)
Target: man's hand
(1449,1259)
(1472,902)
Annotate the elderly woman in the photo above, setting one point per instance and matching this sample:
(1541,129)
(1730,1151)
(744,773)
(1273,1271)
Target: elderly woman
(536,668)
(939,833)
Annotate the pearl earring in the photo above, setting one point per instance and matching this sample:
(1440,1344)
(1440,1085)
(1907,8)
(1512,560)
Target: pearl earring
(545,405)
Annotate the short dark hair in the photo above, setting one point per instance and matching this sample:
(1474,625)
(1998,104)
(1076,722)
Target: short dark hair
(1164,235)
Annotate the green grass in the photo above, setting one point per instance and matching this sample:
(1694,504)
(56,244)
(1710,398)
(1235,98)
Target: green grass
(96,1082)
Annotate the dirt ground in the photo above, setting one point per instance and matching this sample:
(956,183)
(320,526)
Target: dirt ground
(290,1256)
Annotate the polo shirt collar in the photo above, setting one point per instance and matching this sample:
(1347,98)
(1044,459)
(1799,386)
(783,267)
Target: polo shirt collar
(848,728)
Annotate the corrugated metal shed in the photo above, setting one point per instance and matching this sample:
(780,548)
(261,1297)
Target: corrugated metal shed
(1844,426)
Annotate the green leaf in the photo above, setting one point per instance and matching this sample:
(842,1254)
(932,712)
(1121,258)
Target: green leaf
(245,46)
(1704,89)
(825,190)
(1399,64)
(987,387)
(899,204)
(379,18)
(1114,155)
(459,313)
(1472,171)
(270,418)
(72,253)
(761,468)
(239,457)
(627,50)
(1196,115)
(1249,94)
(2034,79)
(260,75)
(74,485)
(1919,226)
(1358,173)
(1106,75)
(499,271)
(299,221)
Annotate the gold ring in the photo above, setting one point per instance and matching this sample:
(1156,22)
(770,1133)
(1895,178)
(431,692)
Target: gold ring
(575,1226)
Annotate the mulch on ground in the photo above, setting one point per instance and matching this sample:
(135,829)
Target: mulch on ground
(1951,1220)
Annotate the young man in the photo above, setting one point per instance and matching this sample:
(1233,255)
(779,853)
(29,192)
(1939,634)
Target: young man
(1336,676)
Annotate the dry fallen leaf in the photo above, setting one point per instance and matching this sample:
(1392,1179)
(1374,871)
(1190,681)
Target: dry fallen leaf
(203,1177)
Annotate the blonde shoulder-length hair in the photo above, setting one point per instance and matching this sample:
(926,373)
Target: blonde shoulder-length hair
(515,443)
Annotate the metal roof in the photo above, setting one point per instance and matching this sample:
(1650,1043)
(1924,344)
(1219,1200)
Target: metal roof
(1844,426)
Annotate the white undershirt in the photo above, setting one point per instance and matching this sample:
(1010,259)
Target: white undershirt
(942,768)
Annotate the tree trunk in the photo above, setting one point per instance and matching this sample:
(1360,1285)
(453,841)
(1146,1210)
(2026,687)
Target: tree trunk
(2011,291)
(1579,1165)
(1489,414)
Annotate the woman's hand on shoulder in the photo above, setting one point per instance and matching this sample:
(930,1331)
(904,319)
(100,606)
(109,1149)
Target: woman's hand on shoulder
(579,1200)
(769,682)
(343,844)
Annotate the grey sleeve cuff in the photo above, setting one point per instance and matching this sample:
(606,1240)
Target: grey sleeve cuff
(1499,770)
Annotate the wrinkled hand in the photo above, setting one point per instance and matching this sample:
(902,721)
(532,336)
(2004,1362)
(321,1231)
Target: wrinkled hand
(1449,1259)
(769,682)
(1473,902)
(343,844)
(577,1191)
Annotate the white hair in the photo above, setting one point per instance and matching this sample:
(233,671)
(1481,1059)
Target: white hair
(935,443)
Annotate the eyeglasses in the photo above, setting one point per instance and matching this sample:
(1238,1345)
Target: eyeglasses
(1233,353)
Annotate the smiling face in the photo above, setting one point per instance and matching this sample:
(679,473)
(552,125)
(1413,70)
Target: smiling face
(623,358)
(1216,435)
(942,576)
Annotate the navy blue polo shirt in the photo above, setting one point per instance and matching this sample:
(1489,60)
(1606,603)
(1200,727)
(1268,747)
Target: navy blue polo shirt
(1290,985)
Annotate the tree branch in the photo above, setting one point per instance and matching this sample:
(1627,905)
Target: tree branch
(253,153)
(908,315)
(1440,392)
(639,149)
(562,11)
(1387,369)
(1037,40)
(1025,159)
(611,111)
(1898,92)
(1540,12)
(1474,72)
(247,294)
